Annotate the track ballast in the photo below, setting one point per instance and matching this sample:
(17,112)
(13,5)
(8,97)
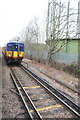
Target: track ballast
(40,99)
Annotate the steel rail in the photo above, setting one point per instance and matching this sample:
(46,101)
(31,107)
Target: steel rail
(62,83)
(16,81)
(60,96)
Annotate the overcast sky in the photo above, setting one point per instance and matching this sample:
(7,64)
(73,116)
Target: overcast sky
(16,14)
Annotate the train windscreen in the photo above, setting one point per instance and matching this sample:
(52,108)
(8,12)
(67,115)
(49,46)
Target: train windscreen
(15,47)
(9,47)
(21,48)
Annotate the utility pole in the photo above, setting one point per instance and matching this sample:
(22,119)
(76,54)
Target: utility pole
(53,20)
(78,19)
(59,20)
(47,25)
(67,31)
(50,27)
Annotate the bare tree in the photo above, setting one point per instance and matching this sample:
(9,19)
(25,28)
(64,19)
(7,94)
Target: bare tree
(31,35)
(60,24)
(32,31)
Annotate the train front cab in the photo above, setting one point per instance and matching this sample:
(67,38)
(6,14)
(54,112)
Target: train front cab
(14,52)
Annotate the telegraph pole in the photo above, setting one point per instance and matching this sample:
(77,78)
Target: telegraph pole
(67,31)
(78,19)
(50,27)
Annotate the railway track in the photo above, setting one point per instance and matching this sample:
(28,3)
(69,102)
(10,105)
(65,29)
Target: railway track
(60,82)
(40,99)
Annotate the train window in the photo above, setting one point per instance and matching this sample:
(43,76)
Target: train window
(9,48)
(15,47)
(21,48)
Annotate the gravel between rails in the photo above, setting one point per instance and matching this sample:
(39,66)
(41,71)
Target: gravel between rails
(61,112)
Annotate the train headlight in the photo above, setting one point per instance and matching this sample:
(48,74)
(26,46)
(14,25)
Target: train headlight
(20,55)
(9,55)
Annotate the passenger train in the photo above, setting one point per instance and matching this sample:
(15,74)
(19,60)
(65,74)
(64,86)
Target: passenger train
(13,52)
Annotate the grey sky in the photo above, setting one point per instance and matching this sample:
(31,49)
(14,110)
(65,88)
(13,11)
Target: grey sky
(16,14)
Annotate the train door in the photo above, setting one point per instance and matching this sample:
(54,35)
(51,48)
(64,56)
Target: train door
(15,50)
(21,51)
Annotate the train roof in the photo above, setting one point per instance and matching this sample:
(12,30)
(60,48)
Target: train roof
(14,43)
